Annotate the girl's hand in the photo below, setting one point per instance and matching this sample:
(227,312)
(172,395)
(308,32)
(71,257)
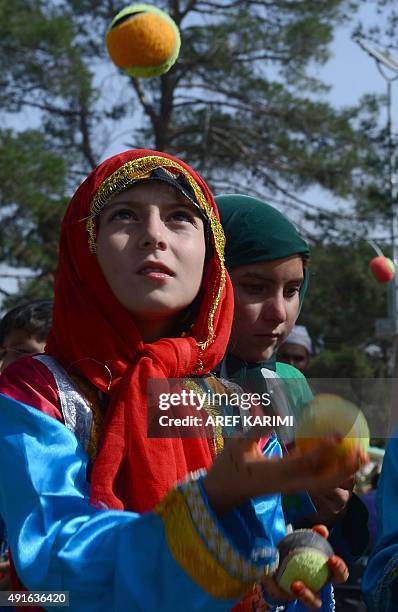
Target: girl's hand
(241,472)
(311,600)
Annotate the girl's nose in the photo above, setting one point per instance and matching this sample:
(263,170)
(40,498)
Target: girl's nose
(275,308)
(153,231)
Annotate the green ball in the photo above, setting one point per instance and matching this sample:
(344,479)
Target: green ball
(147,72)
(309,566)
(303,555)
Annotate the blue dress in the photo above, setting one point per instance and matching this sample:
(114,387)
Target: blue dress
(380,581)
(178,557)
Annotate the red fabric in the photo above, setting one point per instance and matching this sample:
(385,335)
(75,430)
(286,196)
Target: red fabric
(90,328)
(31,382)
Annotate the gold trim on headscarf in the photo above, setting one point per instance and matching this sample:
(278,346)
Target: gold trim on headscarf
(142,168)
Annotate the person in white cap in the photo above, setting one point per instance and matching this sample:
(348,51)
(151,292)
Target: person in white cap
(297,348)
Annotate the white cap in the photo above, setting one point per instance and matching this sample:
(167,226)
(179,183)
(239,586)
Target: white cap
(299,335)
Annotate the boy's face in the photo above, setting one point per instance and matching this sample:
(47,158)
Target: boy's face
(151,249)
(294,354)
(267,304)
(18,343)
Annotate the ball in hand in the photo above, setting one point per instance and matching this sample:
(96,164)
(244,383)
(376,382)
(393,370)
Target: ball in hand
(143,40)
(382,268)
(303,555)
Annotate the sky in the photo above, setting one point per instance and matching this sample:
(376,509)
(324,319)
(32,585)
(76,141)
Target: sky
(350,72)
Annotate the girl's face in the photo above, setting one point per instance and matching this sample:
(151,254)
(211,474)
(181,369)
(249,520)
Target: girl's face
(151,249)
(266,306)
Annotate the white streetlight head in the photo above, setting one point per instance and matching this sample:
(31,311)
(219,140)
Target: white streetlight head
(381,55)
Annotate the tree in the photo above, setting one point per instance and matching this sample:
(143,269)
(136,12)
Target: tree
(343,303)
(241,105)
(32,184)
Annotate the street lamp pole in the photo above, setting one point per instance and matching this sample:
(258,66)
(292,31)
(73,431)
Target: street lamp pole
(385,61)
(393,301)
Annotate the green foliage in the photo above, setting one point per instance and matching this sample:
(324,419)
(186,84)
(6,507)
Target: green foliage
(32,188)
(343,302)
(345,362)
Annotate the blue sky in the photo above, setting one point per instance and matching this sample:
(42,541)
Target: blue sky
(351,72)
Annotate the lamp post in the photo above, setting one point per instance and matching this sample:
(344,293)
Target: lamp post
(388,327)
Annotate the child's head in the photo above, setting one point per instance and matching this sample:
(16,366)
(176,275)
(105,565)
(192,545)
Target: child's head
(140,260)
(297,348)
(266,259)
(23,330)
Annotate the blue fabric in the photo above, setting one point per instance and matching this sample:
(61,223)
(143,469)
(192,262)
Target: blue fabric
(3,533)
(269,508)
(247,531)
(107,559)
(380,581)
(326,596)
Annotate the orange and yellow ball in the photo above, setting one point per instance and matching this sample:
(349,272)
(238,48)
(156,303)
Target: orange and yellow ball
(330,416)
(143,41)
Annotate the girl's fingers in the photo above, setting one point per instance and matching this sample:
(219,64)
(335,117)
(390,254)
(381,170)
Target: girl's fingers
(306,596)
(274,590)
(328,471)
(241,472)
(350,482)
(322,530)
(245,446)
(338,570)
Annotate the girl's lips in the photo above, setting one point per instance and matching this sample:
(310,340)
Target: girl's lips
(155,270)
(271,337)
(155,274)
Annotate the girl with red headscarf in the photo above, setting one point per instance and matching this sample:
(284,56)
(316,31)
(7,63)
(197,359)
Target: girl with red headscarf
(141,293)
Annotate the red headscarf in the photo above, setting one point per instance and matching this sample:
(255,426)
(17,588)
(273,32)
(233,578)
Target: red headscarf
(95,336)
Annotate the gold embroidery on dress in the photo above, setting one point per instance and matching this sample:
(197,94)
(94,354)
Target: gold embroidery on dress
(217,387)
(190,552)
(90,394)
(140,169)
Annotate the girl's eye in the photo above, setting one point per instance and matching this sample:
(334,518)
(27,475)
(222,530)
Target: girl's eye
(253,289)
(123,214)
(182,216)
(291,291)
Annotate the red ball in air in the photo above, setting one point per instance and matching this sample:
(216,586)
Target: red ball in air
(382,269)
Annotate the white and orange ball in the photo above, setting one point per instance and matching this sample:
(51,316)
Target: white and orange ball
(143,41)
(382,268)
